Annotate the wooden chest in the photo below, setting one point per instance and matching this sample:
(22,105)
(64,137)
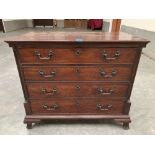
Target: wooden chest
(77,75)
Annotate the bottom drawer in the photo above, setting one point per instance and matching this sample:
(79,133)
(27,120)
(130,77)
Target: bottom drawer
(77,106)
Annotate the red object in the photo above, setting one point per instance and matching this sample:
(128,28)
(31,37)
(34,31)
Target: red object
(95,24)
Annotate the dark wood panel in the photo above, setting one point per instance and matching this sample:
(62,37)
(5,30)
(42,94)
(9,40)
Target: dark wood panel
(78,106)
(75,23)
(78,73)
(42,22)
(77,55)
(1,26)
(76,89)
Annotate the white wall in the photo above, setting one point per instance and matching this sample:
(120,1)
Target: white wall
(29,23)
(146,24)
(14,24)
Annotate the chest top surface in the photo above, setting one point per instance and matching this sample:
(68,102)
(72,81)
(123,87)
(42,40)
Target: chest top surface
(75,37)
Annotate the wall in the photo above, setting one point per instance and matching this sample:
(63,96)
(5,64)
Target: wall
(29,23)
(14,24)
(106,25)
(146,24)
(144,29)
(60,23)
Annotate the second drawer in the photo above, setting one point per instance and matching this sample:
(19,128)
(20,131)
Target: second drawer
(78,73)
(76,89)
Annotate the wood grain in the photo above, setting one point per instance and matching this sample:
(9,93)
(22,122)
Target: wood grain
(78,73)
(78,106)
(103,37)
(64,89)
(77,55)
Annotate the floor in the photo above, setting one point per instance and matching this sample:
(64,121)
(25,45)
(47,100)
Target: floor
(12,112)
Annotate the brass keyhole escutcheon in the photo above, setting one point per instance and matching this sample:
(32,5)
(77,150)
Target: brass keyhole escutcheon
(77,70)
(77,87)
(78,52)
(77,103)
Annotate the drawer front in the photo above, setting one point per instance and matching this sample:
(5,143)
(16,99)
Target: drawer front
(78,73)
(72,89)
(77,55)
(77,106)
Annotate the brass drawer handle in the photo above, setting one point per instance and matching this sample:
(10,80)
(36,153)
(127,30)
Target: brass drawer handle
(50,108)
(51,75)
(105,55)
(103,107)
(103,92)
(50,55)
(105,75)
(52,92)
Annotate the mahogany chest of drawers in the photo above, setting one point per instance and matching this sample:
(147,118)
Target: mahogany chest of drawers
(77,75)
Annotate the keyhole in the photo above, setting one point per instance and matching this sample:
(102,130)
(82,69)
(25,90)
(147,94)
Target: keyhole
(77,103)
(78,70)
(77,87)
(78,52)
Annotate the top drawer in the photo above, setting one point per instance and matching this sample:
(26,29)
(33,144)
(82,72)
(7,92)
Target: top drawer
(77,55)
